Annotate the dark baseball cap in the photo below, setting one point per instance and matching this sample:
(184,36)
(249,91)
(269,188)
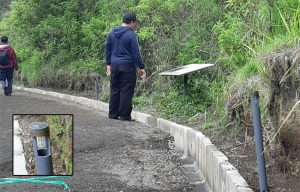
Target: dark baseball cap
(128,17)
(4,39)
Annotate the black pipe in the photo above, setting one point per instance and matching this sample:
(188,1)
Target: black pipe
(259,142)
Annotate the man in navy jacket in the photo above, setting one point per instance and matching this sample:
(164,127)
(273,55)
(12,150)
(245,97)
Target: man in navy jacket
(123,57)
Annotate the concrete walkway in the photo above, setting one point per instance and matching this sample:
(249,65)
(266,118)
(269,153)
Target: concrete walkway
(109,155)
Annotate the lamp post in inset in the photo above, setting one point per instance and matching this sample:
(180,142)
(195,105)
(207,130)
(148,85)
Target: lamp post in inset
(41,148)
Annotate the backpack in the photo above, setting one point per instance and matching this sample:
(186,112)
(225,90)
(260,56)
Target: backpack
(4,56)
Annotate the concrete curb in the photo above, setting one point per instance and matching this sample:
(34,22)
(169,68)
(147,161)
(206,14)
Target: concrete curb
(19,162)
(80,100)
(220,175)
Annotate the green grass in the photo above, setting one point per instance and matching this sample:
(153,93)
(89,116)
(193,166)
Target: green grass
(61,130)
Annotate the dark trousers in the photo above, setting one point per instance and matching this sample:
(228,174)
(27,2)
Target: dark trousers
(122,84)
(6,75)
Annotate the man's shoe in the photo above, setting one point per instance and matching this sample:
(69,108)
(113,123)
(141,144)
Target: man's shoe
(6,91)
(116,118)
(126,119)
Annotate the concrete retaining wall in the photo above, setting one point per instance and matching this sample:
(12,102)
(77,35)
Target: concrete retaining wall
(219,173)
(19,163)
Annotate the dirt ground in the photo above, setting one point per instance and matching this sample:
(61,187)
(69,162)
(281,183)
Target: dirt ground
(241,153)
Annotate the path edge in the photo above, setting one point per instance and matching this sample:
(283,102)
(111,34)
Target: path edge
(220,175)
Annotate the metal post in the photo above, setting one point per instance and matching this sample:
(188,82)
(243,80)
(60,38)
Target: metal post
(259,142)
(96,88)
(185,84)
(41,148)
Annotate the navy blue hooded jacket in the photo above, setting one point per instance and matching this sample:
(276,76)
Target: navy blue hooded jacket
(122,48)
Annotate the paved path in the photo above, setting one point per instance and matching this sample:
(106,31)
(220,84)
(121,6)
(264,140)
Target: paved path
(109,155)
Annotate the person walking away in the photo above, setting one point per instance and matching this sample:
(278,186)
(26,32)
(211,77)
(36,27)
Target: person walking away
(123,57)
(8,62)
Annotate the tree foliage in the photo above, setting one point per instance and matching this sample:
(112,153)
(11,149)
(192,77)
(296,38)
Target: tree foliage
(61,42)
(71,30)
(4,6)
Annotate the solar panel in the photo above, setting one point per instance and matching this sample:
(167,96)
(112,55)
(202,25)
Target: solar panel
(183,70)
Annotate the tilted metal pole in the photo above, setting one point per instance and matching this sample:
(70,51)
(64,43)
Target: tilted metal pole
(41,148)
(259,142)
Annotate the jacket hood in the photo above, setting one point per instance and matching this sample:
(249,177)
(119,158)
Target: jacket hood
(119,31)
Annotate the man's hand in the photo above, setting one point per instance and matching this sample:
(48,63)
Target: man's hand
(142,73)
(108,70)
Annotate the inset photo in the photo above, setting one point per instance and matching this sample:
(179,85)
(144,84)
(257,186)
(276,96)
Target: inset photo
(42,144)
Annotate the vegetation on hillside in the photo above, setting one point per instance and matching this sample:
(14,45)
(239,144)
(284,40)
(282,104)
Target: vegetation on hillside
(60,44)
(260,42)
(250,31)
